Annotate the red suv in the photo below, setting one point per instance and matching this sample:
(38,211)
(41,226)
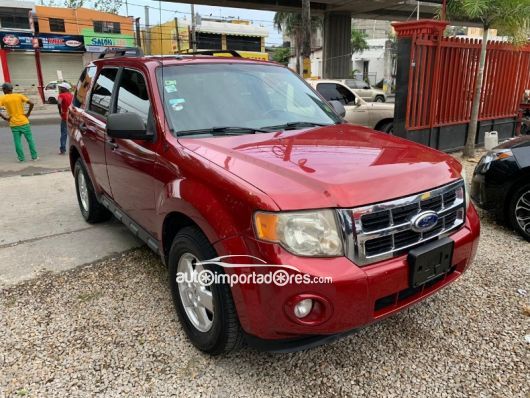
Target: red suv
(239,168)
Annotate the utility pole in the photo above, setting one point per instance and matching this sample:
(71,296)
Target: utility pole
(147,32)
(193,33)
(418,11)
(306,35)
(177,35)
(138,33)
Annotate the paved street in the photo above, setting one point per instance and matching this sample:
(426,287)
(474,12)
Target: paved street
(41,229)
(47,141)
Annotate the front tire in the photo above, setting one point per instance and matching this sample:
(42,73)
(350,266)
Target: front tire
(207,313)
(519,211)
(91,210)
(379,98)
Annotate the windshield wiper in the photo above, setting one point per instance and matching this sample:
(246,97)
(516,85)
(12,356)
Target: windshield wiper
(222,130)
(294,125)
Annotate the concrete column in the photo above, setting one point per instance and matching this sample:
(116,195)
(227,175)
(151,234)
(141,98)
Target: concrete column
(337,61)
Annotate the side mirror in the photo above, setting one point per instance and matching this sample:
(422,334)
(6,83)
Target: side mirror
(127,126)
(357,101)
(338,108)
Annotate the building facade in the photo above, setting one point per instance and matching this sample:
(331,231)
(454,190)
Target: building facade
(41,44)
(211,34)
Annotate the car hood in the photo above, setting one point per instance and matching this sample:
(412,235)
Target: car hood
(335,166)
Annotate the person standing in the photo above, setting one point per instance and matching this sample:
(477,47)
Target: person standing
(63,102)
(18,120)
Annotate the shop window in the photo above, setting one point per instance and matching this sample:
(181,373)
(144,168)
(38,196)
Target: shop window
(107,27)
(209,41)
(243,43)
(57,25)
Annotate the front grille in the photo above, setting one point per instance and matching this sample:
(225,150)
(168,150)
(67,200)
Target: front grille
(384,230)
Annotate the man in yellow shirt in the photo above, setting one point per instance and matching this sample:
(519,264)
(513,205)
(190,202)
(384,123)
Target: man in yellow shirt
(18,120)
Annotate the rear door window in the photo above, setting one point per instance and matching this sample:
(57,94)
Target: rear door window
(100,100)
(83,86)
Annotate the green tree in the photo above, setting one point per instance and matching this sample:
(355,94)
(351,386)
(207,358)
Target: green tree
(291,24)
(511,17)
(112,6)
(281,55)
(358,41)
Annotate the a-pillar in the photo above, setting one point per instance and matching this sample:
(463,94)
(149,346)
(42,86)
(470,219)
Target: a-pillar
(337,61)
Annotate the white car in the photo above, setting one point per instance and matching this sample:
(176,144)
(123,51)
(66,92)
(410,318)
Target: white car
(365,91)
(51,92)
(377,116)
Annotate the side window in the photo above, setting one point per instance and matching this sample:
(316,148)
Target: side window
(132,94)
(81,90)
(51,86)
(335,92)
(100,100)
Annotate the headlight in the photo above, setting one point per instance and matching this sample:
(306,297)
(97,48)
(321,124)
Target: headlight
(495,154)
(304,233)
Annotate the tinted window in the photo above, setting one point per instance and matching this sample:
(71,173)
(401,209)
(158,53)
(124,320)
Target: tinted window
(102,92)
(132,94)
(336,92)
(83,85)
(51,86)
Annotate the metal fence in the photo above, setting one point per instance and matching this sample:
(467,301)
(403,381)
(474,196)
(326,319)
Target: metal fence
(442,80)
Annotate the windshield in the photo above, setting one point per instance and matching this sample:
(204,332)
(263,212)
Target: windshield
(252,97)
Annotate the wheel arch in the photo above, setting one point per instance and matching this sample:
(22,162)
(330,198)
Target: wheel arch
(383,122)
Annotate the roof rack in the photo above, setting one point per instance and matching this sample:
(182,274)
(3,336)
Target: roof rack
(121,52)
(233,53)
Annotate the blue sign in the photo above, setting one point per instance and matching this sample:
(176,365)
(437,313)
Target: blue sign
(48,42)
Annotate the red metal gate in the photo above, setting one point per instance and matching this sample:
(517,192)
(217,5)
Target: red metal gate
(442,80)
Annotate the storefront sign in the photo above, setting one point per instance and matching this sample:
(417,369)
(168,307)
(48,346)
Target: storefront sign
(46,41)
(98,42)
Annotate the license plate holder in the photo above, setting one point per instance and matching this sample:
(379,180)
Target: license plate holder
(430,261)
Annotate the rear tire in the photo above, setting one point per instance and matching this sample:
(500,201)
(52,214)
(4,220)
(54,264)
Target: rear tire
(207,313)
(91,210)
(519,211)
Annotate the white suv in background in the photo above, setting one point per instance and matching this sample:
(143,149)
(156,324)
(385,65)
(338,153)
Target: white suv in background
(377,116)
(365,91)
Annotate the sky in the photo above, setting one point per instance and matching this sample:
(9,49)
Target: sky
(171,10)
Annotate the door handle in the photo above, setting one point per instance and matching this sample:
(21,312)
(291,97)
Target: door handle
(111,143)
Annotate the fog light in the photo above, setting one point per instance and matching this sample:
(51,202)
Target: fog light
(303,308)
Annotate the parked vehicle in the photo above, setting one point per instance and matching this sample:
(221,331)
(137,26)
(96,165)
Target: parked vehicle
(370,114)
(51,91)
(215,158)
(364,90)
(501,184)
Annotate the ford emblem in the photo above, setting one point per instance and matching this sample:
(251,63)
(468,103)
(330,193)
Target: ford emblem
(424,221)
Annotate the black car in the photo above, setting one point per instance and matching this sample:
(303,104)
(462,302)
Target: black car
(501,183)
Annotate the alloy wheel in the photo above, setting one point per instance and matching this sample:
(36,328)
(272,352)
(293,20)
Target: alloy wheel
(196,298)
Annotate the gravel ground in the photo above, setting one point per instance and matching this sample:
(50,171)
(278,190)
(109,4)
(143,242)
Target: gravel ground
(110,329)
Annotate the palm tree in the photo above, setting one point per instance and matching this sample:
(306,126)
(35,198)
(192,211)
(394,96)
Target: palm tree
(291,24)
(358,41)
(512,17)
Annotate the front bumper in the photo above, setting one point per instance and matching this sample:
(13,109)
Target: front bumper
(356,297)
